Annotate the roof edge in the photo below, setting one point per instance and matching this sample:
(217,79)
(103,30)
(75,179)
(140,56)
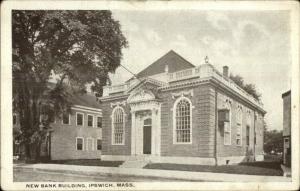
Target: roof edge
(286,93)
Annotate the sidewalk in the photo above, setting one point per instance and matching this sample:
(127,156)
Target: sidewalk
(183,175)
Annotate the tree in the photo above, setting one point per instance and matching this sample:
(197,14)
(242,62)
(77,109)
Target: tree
(273,141)
(78,48)
(249,88)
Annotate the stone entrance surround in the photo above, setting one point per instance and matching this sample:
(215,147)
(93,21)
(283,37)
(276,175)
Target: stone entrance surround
(143,106)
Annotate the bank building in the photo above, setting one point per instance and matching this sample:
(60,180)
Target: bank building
(175,112)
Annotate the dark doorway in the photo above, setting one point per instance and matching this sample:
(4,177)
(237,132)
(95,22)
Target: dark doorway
(147,136)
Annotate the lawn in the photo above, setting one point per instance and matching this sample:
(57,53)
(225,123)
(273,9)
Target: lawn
(33,175)
(88,162)
(253,168)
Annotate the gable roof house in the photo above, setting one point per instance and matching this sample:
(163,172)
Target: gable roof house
(77,135)
(175,112)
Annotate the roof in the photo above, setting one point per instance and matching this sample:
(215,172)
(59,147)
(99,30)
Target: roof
(286,93)
(87,100)
(174,61)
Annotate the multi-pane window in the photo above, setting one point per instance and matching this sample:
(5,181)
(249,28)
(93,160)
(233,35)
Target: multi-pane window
(183,121)
(79,119)
(90,120)
(99,122)
(239,119)
(79,144)
(118,126)
(66,119)
(99,144)
(227,128)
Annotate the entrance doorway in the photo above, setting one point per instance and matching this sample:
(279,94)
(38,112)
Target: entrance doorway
(147,136)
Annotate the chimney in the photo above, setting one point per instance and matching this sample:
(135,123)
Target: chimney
(225,71)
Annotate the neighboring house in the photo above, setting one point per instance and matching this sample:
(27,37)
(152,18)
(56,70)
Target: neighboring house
(287,128)
(176,112)
(77,135)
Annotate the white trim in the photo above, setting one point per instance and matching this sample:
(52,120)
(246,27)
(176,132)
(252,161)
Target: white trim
(87,143)
(117,104)
(62,120)
(183,93)
(239,109)
(228,106)
(82,119)
(93,123)
(85,110)
(82,143)
(113,128)
(174,121)
(96,126)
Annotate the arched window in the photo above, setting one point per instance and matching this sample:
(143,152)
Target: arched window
(118,126)
(227,126)
(239,121)
(182,112)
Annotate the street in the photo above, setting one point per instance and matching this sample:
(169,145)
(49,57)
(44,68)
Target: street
(32,175)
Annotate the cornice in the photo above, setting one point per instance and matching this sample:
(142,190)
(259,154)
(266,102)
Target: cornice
(219,84)
(112,98)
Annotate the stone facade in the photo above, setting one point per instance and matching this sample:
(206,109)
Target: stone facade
(155,97)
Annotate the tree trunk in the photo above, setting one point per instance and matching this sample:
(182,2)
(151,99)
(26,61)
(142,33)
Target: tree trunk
(38,152)
(27,151)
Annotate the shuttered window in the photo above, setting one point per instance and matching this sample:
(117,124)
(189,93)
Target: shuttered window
(79,144)
(79,119)
(99,122)
(99,144)
(66,119)
(90,120)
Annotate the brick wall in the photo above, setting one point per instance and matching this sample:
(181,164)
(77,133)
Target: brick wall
(233,149)
(202,124)
(108,148)
(63,139)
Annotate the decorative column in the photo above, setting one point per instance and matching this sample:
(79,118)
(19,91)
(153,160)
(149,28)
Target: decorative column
(133,133)
(153,131)
(158,130)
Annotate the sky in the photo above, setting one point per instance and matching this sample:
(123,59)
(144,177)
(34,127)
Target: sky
(254,44)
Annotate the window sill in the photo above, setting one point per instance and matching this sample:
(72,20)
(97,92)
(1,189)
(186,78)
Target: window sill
(178,143)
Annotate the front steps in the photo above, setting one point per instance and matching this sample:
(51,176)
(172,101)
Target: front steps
(135,162)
